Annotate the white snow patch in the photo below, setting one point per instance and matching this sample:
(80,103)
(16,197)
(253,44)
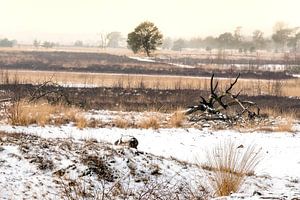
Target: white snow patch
(143,59)
(278,173)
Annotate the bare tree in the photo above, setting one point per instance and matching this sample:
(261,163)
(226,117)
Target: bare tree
(103,40)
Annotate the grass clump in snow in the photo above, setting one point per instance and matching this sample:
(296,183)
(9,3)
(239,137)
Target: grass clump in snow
(231,164)
(120,123)
(151,122)
(177,119)
(81,122)
(24,113)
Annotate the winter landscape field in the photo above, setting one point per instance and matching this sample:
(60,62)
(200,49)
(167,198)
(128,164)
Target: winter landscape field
(150,100)
(79,134)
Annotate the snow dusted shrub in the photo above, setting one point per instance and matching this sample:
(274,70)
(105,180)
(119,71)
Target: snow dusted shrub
(153,189)
(231,164)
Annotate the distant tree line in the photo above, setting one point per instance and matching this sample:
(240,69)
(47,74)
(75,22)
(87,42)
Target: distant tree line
(283,38)
(45,44)
(7,43)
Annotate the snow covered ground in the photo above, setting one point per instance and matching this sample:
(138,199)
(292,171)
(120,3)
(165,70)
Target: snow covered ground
(277,175)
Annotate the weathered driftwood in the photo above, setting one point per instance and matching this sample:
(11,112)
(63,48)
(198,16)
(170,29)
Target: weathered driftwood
(213,107)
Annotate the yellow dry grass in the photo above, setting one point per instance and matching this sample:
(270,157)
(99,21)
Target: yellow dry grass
(248,86)
(177,119)
(121,123)
(273,112)
(286,125)
(40,113)
(81,122)
(151,122)
(230,166)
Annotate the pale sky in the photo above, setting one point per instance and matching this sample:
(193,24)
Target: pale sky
(68,20)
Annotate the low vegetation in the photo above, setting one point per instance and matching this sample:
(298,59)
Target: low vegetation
(151,122)
(230,164)
(24,113)
(121,123)
(252,87)
(177,119)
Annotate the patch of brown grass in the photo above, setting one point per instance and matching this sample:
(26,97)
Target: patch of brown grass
(230,166)
(94,123)
(24,113)
(121,123)
(285,126)
(177,119)
(276,112)
(81,122)
(151,122)
(247,86)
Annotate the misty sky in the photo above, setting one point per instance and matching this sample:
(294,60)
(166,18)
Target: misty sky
(68,20)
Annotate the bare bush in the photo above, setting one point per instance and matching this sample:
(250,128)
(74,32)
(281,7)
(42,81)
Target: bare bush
(151,190)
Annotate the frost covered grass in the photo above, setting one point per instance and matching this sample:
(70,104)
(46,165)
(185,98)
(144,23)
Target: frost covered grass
(230,165)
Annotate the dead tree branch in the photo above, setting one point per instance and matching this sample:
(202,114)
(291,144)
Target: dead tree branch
(219,102)
(50,91)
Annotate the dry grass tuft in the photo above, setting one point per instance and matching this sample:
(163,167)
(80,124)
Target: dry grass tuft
(151,122)
(120,123)
(81,122)
(95,123)
(273,112)
(24,113)
(177,119)
(286,126)
(230,165)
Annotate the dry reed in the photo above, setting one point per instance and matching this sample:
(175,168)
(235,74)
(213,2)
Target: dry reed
(231,165)
(151,122)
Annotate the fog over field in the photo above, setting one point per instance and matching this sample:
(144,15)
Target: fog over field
(64,21)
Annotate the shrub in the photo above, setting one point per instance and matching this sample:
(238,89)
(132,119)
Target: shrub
(231,165)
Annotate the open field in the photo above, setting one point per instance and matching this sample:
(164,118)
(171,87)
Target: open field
(286,87)
(111,63)
(143,99)
(68,131)
(162,53)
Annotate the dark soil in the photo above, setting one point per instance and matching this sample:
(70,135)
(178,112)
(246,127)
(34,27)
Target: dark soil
(146,99)
(107,63)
